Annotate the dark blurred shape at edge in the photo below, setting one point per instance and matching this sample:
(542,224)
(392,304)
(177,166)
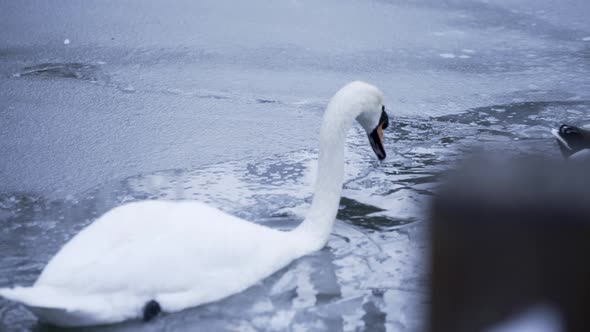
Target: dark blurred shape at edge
(508,234)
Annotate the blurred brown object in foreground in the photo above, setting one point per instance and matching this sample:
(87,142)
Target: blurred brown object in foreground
(508,235)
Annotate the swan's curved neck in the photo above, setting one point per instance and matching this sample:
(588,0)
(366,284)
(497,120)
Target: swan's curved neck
(316,227)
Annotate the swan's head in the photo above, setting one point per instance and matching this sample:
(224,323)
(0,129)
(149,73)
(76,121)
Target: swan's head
(372,117)
(376,134)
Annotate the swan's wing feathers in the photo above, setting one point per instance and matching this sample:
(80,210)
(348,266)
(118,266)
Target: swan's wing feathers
(156,248)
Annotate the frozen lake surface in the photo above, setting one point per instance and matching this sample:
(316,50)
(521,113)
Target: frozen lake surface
(221,102)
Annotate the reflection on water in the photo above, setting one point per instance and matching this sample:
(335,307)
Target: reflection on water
(370,276)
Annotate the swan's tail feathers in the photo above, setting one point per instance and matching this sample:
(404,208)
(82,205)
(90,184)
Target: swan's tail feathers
(151,310)
(57,307)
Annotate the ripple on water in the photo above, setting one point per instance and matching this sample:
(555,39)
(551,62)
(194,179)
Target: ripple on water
(371,275)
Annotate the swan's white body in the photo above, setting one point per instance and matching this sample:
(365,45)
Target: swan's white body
(179,254)
(182,254)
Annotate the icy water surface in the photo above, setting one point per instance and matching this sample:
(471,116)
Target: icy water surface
(370,277)
(221,101)
(143,86)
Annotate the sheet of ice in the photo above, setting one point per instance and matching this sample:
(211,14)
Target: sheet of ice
(155,67)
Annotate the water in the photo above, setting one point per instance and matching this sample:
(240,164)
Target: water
(370,276)
(211,101)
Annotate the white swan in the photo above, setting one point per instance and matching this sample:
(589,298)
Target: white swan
(145,257)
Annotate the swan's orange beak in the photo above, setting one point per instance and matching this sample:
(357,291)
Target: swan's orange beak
(376,140)
(376,136)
